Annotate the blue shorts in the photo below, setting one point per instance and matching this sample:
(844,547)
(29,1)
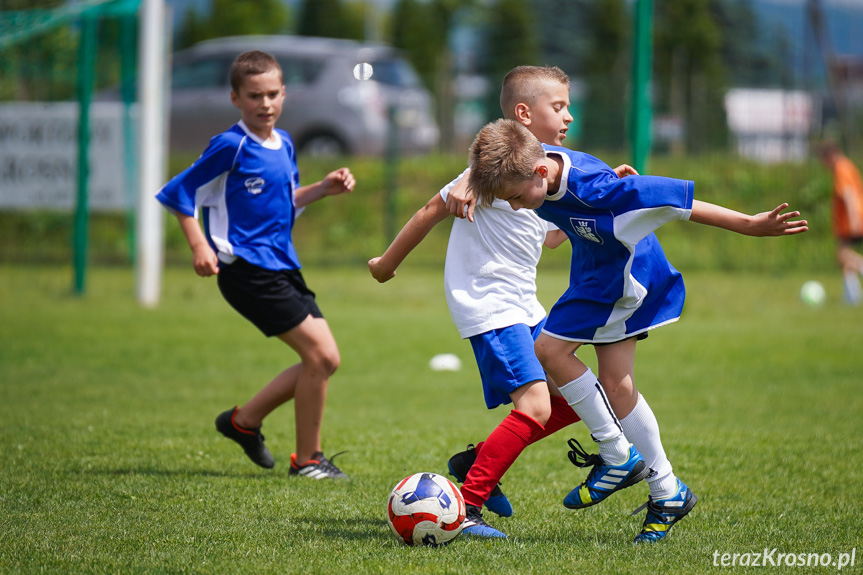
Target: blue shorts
(506,361)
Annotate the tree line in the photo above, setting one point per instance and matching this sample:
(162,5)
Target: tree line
(701,47)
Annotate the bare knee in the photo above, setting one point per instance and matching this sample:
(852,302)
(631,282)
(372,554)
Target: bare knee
(323,361)
(540,413)
(329,362)
(533,400)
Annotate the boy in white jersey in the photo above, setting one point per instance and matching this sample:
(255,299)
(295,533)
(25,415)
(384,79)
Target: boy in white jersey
(621,286)
(247,184)
(490,281)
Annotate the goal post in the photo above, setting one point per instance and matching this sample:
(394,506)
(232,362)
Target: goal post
(152,150)
(66,148)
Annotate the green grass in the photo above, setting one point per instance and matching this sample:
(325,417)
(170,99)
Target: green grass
(111,462)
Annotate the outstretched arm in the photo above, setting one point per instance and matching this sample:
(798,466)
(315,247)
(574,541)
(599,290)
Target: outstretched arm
(383,268)
(340,181)
(772,223)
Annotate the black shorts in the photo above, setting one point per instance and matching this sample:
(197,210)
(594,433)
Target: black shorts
(275,301)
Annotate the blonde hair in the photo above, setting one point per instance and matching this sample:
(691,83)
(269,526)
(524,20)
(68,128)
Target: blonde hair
(523,84)
(502,154)
(252,63)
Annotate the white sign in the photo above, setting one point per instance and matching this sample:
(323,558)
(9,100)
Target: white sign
(39,156)
(772,125)
(782,112)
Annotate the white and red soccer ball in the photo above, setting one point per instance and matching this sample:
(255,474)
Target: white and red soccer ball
(425,509)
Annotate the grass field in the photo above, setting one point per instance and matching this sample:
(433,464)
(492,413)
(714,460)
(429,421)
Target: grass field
(111,464)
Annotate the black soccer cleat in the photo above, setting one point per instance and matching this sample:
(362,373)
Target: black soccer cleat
(251,440)
(460,463)
(318,467)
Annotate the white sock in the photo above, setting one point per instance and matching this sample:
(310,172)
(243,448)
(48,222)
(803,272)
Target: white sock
(642,429)
(586,397)
(853,292)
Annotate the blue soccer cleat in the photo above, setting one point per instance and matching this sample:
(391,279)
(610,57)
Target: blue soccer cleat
(662,514)
(460,463)
(603,480)
(475,525)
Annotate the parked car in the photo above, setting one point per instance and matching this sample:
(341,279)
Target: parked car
(340,95)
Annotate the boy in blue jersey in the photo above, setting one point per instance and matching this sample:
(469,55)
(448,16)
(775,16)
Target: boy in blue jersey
(246,183)
(490,283)
(621,284)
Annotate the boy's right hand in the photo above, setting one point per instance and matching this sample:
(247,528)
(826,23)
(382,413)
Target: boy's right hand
(205,261)
(379,272)
(624,170)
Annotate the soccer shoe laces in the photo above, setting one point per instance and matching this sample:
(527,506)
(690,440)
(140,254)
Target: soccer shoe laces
(581,458)
(641,508)
(327,463)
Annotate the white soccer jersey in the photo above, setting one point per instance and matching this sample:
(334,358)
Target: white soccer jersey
(490,272)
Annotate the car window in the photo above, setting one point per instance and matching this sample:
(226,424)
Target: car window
(394,72)
(299,72)
(210,73)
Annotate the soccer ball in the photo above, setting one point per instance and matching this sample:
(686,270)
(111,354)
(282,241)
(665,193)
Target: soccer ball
(425,509)
(812,293)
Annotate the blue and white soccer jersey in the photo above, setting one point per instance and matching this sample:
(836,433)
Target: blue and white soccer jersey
(244,187)
(621,283)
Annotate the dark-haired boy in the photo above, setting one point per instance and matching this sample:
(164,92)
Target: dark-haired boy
(246,184)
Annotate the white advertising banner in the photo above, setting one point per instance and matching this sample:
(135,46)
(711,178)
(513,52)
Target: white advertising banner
(39,156)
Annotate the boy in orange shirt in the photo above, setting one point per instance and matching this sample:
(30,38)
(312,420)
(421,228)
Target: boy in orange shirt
(847,216)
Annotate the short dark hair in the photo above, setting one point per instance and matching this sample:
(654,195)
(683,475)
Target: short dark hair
(523,84)
(252,63)
(503,153)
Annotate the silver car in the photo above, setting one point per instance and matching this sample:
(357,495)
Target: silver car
(341,95)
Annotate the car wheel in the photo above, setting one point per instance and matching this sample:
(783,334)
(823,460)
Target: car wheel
(323,145)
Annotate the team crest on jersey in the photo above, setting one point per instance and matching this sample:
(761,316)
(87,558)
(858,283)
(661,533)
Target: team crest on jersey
(255,185)
(586,230)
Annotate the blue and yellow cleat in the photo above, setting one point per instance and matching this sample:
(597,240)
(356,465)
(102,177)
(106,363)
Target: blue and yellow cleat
(459,465)
(603,480)
(662,514)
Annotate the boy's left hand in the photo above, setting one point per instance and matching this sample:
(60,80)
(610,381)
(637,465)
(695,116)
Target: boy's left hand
(459,202)
(775,223)
(340,181)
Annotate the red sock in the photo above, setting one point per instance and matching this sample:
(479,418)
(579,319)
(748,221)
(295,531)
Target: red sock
(562,415)
(499,451)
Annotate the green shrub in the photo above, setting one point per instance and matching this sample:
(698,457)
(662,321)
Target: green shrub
(352,228)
